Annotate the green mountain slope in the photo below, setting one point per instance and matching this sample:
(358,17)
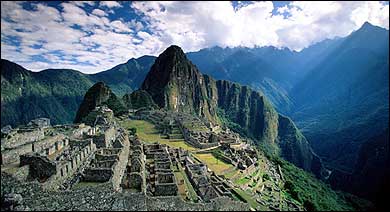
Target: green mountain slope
(344,100)
(57,93)
(98,95)
(51,93)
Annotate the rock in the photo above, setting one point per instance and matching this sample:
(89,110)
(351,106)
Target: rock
(39,122)
(11,200)
(6,129)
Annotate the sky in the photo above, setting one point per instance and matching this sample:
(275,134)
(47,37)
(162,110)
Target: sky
(95,36)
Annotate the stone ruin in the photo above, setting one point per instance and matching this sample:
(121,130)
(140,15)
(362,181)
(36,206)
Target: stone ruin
(207,185)
(101,167)
(54,164)
(242,156)
(37,136)
(39,122)
(160,177)
(135,170)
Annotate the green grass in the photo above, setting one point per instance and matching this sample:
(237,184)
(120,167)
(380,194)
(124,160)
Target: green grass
(249,199)
(148,132)
(243,180)
(232,173)
(191,192)
(218,166)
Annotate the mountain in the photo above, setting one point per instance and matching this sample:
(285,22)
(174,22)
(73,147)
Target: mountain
(98,95)
(138,99)
(26,95)
(266,69)
(57,93)
(369,178)
(373,156)
(126,77)
(176,84)
(344,99)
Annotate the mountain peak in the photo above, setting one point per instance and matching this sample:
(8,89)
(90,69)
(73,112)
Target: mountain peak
(176,84)
(167,64)
(99,94)
(367,26)
(173,53)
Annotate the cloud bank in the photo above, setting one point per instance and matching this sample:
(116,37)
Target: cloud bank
(94,36)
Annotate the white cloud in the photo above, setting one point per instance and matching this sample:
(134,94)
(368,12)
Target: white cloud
(197,24)
(99,12)
(82,3)
(110,4)
(71,36)
(119,26)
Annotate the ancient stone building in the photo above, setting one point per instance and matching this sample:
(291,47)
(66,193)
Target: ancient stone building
(135,169)
(207,185)
(161,179)
(53,165)
(101,167)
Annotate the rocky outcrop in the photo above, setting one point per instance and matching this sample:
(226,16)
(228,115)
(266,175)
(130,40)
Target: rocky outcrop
(99,94)
(176,84)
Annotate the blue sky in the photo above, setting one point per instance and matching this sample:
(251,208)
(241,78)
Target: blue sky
(95,36)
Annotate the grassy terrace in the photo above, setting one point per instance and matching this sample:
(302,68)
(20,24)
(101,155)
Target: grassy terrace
(249,199)
(147,132)
(218,166)
(180,174)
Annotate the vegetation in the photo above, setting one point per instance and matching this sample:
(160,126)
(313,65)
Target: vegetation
(138,99)
(308,190)
(231,125)
(148,132)
(216,165)
(57,93)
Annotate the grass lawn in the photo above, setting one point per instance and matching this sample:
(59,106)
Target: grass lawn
(243,180)
(191,192)
(218,166)
(147,132)
(181,187)
(232,173)
(252,202)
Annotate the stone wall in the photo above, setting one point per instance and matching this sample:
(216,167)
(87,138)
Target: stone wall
(12,155)
(165,184)
(120,167)
(67,166)
(46,146)
(21,137)
(169,189)
(40,167)
(97,174)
